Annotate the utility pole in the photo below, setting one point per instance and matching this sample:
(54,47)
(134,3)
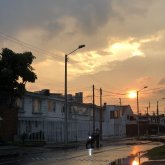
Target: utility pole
(66,99)
(66,104)
(93,88)
(138,124)
(157,112)
(147,111)
(120,101)
(138,112)
(101,113)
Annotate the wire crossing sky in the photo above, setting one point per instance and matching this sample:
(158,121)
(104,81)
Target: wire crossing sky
(124,45)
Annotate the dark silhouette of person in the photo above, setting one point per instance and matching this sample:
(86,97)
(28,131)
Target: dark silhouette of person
(97,138)
(94,140)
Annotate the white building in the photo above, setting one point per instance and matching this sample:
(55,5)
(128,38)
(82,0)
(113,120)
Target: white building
(41,118)
(115,120)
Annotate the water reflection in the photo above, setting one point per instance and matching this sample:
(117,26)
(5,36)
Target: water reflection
(129,161)
(136,159)
(90,151)
(135,162)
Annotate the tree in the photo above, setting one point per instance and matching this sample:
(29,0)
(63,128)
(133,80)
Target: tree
(15,72)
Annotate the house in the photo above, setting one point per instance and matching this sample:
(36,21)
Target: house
(116,118)
(41,117)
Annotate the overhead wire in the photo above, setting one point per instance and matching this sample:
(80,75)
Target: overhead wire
(29,46)
(39,50)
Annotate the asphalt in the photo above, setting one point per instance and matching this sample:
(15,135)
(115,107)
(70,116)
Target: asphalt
(14,151)
(11,151)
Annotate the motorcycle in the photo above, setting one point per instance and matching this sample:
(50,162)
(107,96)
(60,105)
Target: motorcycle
(90,142)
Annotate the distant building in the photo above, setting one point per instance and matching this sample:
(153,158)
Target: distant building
(116,118)
(149,125)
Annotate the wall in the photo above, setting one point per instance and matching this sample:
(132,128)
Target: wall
(8,126)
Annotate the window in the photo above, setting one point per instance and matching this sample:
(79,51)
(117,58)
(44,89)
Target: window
(51,106)
(112,115)
(36,106)
(116,114)
(19,104)
(128,117)
(63,108)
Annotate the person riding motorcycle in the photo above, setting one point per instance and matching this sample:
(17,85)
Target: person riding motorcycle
(94,138)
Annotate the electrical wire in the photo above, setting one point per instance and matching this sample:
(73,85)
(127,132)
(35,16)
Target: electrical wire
(30,46)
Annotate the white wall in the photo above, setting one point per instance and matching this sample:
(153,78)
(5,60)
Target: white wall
(80,123)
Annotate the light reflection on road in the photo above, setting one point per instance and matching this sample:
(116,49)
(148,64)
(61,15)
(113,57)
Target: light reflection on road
(135,162)
(90,151)
(102,156)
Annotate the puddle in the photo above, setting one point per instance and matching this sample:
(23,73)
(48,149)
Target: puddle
(136,159)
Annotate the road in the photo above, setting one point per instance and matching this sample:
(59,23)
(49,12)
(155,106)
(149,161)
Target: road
(102,156)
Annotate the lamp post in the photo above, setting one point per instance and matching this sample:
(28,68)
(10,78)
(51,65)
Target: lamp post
(157,112)
(138,107)
(65,105)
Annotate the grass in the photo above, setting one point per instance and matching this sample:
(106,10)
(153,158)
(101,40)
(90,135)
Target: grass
(156,153)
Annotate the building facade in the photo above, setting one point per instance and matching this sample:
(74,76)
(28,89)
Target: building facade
(116,118)
(41,117)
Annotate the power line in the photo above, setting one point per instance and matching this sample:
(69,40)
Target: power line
(29,46)
(114,93)
(153,90)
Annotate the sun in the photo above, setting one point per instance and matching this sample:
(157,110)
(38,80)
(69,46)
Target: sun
(132,94)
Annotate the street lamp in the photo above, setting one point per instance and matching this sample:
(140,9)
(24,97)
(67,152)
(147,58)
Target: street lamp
(65,105)
(138,106)
(158,114)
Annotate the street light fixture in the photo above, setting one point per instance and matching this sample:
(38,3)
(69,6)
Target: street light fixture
(65,105)
(138,107)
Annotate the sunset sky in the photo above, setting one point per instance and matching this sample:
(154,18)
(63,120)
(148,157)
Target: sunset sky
(125,46)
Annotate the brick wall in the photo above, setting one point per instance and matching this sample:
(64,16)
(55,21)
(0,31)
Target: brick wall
(8,126)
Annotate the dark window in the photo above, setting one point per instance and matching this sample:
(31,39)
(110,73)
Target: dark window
(36,106)
(51,106)
(112,115)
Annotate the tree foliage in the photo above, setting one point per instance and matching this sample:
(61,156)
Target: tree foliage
(15,71)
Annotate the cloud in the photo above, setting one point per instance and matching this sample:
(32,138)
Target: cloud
(124,40)
(162,81)
(94,22)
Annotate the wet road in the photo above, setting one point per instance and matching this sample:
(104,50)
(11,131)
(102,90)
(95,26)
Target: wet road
(102,156)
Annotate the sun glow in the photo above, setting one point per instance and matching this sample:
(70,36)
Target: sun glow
(132,94)
(132,48)
(135,162)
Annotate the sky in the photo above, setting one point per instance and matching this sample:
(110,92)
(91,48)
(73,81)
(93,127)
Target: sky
(124,49)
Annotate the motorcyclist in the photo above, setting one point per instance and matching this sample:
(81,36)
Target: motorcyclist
(94,138)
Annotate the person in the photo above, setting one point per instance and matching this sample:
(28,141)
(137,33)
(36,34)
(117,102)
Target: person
(90,142)
(97,137)
(94,139)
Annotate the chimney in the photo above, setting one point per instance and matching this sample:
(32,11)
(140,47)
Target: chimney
(45,92)
(79,97)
